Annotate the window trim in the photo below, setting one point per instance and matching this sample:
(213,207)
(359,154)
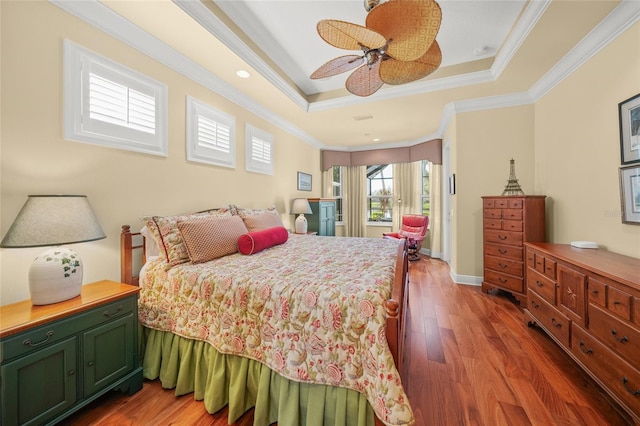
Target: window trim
(341,197)
(252,165)
(200,154)
(78,127)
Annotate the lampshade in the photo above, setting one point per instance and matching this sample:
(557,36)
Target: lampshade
(300,205)
(53,220)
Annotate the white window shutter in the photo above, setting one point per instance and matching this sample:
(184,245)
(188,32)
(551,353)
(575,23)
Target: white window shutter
(210,135)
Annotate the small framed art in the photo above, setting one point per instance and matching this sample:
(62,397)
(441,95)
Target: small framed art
(304,181)
(630,194)
(629,116)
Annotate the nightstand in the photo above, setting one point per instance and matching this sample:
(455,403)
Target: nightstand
(57,358)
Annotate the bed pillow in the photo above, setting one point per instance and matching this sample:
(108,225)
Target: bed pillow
(150,243)
(258,222)
(168,237)
(253,242)
(208,238)
(244,212)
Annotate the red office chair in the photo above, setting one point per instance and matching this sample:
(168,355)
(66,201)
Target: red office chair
(413,228)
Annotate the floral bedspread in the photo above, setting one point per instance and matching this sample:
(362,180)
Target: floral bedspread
(311,309)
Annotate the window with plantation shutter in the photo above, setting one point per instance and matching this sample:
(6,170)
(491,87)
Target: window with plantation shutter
(210,135)
(259,150)
(108,104)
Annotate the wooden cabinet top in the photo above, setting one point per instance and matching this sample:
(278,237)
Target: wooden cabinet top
(315,200)
(514,196)
(615,266)
(20,316)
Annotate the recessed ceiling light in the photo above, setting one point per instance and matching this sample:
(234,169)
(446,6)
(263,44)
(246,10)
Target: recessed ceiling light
(376,139)
(243,74)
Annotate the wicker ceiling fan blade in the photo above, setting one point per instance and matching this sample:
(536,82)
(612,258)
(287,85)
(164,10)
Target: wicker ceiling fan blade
(400,72)
(346,35)
(337,66)
(410,26)
(365,80)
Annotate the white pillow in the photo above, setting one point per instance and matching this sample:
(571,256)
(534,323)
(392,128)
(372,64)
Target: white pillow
(150,244)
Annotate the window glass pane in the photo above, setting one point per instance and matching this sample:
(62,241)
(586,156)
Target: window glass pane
(380,193)
(337,191)
(426,200)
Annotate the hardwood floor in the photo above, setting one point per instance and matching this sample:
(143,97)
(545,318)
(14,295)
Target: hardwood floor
(471,361)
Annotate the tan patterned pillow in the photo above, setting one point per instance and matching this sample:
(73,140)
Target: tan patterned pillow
(244,212)
(211,237)
(168,237)
(258,222)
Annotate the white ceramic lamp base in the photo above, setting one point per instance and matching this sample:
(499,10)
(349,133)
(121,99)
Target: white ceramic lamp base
(301,224)
(54,276)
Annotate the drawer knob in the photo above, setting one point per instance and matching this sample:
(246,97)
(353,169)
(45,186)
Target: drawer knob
(539,284)
(502,237)
(594,291)
(90,364)
(534,304)
(503,280)
(109,315)
(502,265)
(502,251)
(72,372)
(616,302)
(556,323)
(631,391)
(622,340)
(41,342)
(587,351)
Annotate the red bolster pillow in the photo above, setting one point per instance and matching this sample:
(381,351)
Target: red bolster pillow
(253,242)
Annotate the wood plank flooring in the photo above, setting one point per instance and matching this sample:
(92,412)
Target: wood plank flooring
(471,361)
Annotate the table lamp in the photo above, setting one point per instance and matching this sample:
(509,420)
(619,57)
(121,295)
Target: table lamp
(300,206)
(53,220)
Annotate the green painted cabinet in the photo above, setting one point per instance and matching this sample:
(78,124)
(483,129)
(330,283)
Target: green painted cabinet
(323,218)
(55,359)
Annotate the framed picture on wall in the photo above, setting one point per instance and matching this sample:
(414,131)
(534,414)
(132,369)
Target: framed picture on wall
(304,181)
(630,194)
(629,116)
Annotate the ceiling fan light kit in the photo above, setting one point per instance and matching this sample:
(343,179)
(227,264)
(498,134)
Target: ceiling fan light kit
(398,45)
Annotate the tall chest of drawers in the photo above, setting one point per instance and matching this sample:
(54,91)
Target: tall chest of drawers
(509,222)
(588,302)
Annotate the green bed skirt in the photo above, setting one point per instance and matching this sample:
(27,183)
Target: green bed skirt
(220,380)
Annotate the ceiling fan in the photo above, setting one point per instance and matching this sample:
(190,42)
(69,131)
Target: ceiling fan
(398,44)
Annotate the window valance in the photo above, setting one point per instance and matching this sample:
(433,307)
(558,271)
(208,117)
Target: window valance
(430,150)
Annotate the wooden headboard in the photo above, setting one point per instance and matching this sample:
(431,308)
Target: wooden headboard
(127,248)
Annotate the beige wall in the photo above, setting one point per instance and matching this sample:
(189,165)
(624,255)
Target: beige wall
(577,148)
(121,185)
(485,142)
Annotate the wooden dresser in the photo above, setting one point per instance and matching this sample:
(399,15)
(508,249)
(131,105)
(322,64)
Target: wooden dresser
(588,301)
(509,222)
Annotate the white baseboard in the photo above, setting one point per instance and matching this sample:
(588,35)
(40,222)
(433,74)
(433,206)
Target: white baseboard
(464,279)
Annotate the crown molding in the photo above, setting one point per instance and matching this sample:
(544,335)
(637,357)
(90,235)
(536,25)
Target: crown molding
(626,14)
(201,14)
(619,20)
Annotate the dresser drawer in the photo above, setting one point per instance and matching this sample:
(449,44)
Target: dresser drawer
(622,378)
(616,334)
(619,302)
(504,265)
(492,214)
(510,214)
(48,334)
(512,225)
(503,237)
(500,250)
(542,285)
(504,281)
(549,317)
(597,292)
(492,223)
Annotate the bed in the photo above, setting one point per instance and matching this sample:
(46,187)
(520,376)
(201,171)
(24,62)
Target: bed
(308,330)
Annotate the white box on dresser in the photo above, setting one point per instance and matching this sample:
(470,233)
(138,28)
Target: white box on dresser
(588,301)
